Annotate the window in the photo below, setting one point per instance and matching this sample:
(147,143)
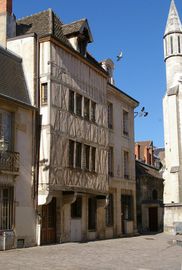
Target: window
(109,212)
(179,45)
(78,105)
(5,130)
(110,115)
(154,194)
(71,153)
(71,101)
(171,41)
(6,208)
(93,159)
(44,94)
(86,108)
(93,111)
(166,47)
(127,207)
(125,123)
(92,210)
(78,154)
(110,161)
(81,156)
(87,157)
(76,208)
(126,165)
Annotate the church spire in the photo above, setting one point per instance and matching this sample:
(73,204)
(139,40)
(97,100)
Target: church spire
(173,21)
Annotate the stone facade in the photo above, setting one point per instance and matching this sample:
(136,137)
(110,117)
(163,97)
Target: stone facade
(172,105)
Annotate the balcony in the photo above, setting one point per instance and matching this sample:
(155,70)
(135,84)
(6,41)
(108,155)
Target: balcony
(9,162)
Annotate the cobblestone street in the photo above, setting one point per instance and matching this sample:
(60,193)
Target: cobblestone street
(149,252)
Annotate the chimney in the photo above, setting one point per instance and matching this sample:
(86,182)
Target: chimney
(7,22)
(6,6)
(137,151)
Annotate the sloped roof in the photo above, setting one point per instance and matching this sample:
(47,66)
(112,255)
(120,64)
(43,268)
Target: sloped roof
(42,23)
(143,169)
(12,80)
(73,27)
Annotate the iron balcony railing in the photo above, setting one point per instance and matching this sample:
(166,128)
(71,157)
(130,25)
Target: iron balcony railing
(9,161)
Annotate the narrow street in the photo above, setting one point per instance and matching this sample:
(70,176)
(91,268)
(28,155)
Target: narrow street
(149,252)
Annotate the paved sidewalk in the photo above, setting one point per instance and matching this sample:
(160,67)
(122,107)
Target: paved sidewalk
(149,252)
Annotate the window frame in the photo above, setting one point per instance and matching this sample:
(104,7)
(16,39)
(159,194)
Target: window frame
(44,94)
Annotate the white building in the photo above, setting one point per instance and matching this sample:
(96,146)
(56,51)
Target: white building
(172,107)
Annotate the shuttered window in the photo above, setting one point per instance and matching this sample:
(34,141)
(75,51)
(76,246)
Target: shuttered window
(126,165)
(125,123)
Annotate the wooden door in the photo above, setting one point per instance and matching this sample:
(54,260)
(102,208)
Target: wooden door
(153,219)
(48,231)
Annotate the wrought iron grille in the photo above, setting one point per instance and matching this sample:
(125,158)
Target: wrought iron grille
(9,161)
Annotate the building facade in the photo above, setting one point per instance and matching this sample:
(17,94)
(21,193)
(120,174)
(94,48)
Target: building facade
(18,194)
(75,194)
(172,104)
(121,160)
(149,189)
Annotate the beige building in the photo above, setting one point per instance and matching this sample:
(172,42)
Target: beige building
(18,194)
(72,91)
(121,158)
(172,108)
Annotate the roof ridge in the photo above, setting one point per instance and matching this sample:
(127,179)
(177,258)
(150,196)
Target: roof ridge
(38,13)
(83,19)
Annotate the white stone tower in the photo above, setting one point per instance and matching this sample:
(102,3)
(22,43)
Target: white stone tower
(172,109)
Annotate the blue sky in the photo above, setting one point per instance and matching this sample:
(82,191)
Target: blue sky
(136,28)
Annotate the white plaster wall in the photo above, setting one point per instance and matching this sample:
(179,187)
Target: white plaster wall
(25,219)
(26,49)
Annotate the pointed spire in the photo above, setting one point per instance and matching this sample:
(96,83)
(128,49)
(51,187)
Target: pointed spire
(173,21)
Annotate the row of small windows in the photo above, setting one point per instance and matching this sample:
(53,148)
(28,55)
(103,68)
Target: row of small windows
(125,119)
(82,156)
(82,106)
(172,40)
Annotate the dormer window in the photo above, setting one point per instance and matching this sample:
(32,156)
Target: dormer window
(82,42)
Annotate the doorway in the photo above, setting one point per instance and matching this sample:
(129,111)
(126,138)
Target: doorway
(48,231)
(153,219)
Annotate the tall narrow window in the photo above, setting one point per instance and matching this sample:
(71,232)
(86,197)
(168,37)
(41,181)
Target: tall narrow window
(78,105)
(127,207)
(126,165)
(93,159)
(78,155)
(179,45)
(44,94)
(92,210)
(110,115)
(171,41)
(125,123)
(87,157)
(6,208)
(5,130)
(71,101)
(110,161)
(109,212)
(93,111)
(86,108)
(71,153)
